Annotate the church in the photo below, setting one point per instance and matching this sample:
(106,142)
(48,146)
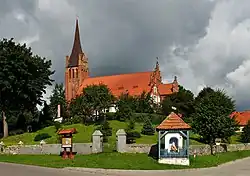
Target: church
(77,77)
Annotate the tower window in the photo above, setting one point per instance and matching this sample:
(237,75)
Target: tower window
(73,72)
(76,73)
(69,74)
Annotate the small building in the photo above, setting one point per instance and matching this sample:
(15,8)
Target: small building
(173,141)
(242,118)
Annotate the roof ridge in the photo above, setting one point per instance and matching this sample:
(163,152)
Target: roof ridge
(173,121)
(120,74)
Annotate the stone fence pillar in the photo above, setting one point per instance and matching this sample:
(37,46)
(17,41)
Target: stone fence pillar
(97,142)
(121,141)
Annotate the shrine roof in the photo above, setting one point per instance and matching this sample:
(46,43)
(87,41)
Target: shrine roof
(67,131)
(173,122)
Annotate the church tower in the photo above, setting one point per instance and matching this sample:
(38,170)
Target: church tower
(76,70)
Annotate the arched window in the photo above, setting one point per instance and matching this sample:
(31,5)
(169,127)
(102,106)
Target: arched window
(69,74)
(173,141)
(73,73)
(76,73)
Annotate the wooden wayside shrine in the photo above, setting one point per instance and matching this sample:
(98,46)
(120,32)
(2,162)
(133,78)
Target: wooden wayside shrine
(67,142)
(173,141)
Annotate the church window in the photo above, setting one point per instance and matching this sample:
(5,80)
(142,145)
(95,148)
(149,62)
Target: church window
(155,89)
(76,73)
(73,73)
(69,74)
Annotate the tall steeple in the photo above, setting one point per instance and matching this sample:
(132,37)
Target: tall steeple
(77,48)
(77,69)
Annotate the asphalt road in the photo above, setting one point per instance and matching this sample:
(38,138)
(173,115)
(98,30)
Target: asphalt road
(237,168)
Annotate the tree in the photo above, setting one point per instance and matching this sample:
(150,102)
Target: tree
(93,101)
(124,112)
(212,120)
(45,118)
(58,98)
(79,108)
(106,130)
(245,135)
(204,92)
(23,78)
(148,128)
(144,103)
(183,101)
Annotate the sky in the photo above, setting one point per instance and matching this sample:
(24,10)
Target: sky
(202,42)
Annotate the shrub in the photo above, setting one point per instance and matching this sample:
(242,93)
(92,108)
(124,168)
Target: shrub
(110,116)
(245,135)
(131,136)
(131,124)
(16,132)
(76,119)
(154,118)
(124,113)
(106,130)
(57,126)
(41,136)
(148,129)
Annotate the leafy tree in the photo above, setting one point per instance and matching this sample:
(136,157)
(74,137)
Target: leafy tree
(144,103)
(124,112)
(183,101)
(58,98)
(46,118)
(23,78)
(204,92)
(211,118)
(245,135)
(79,108)
(25,120)
(148,128)
(94,100)
(138,104)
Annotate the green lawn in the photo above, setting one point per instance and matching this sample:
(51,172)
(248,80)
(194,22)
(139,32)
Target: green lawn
(85,132)
(120,161)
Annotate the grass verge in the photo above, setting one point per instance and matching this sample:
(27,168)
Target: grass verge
(84,135)
(120,161)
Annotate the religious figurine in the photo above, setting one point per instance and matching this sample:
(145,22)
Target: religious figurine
(173,147)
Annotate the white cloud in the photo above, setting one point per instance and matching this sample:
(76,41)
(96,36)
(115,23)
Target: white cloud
(221,58)
(29,40)
(203,42)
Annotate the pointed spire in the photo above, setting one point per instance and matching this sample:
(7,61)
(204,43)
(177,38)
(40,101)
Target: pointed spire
(157,67)
(175,78)
(77,48)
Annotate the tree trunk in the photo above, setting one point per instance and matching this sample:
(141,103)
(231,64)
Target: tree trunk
(211,148)
(5,126)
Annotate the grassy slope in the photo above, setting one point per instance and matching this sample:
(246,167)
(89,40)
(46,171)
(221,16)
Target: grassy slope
(120,161)
(83,135)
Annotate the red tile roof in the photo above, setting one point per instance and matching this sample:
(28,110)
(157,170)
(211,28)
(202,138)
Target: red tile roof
(165,89)
(67,131)
(132,83)
(173,122)
(241,117)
